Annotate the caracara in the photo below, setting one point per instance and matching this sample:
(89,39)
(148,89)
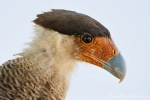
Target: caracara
(62,38)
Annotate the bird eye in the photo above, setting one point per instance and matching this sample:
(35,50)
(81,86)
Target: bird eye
(86,38)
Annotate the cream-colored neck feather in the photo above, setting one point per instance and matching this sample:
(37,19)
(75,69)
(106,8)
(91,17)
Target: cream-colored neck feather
(55,52)
(58,48)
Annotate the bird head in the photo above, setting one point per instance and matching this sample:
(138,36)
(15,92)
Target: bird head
(92,39)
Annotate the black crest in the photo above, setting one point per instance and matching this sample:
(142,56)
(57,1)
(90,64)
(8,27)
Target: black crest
(71,23)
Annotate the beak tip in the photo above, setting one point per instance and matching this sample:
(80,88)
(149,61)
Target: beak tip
(121,79)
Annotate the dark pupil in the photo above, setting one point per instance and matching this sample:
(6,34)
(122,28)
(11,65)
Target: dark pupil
(87,38)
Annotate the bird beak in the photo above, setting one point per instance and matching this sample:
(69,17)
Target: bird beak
(116,66)
(103,53)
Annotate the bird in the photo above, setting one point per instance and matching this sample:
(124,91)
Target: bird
(43,69)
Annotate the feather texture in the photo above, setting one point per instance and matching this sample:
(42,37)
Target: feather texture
(43,71)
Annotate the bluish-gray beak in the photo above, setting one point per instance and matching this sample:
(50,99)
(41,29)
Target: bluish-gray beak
(116,66)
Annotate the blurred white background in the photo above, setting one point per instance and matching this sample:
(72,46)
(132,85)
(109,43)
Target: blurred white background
(129,24)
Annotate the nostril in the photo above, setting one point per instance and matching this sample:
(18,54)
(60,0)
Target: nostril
(114,52)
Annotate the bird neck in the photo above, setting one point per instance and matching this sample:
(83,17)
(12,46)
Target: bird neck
(54,53)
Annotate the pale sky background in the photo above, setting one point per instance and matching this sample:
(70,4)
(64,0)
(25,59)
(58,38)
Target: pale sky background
(129,24)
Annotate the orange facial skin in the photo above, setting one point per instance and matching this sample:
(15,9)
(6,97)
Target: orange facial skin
(99,51)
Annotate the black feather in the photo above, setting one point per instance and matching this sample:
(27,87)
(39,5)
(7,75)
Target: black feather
(71,23)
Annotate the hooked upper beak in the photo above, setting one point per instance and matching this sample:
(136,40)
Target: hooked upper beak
(116,66)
